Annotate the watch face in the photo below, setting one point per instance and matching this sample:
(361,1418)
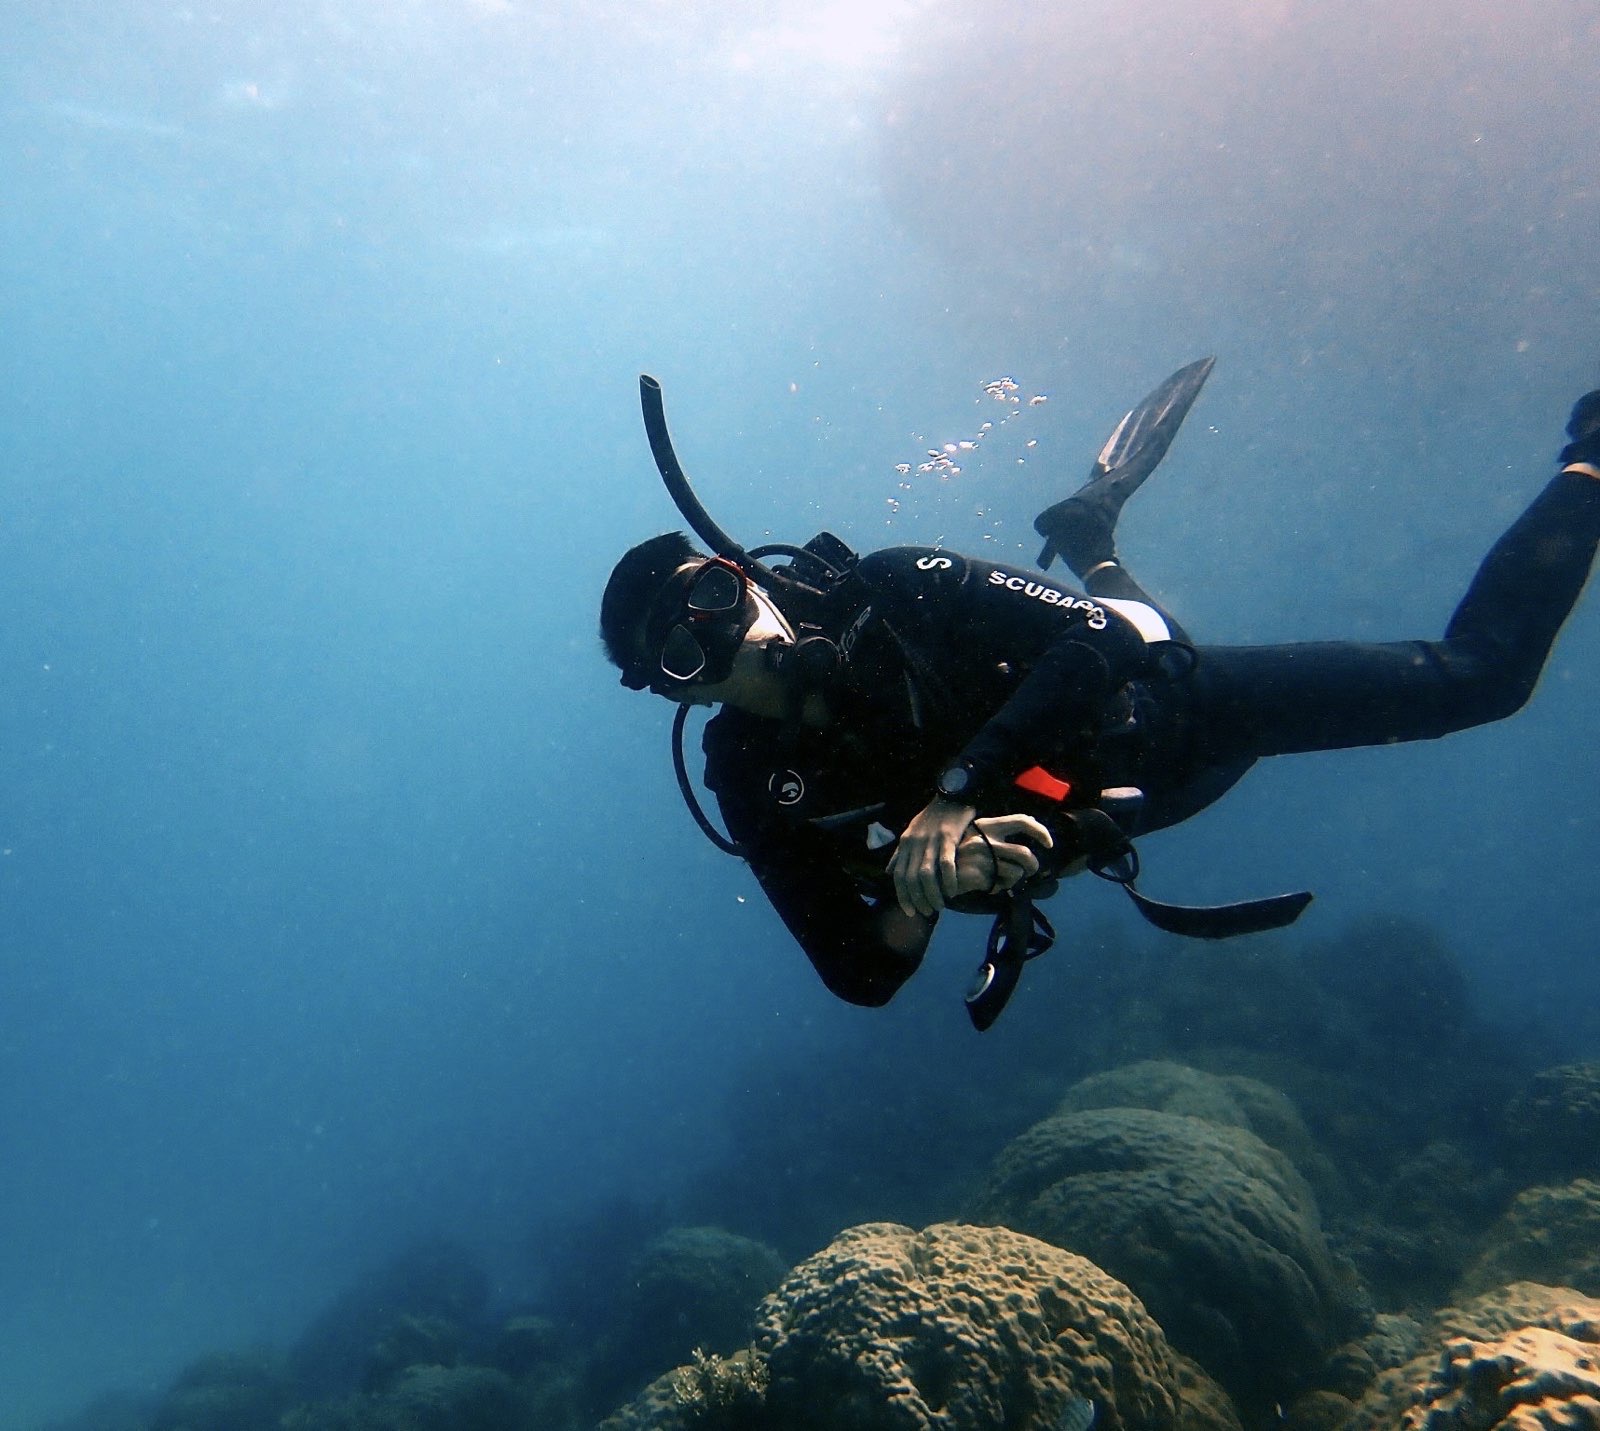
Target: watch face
(954,780)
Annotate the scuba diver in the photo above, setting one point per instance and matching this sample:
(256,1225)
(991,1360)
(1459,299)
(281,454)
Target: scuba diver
(914,730)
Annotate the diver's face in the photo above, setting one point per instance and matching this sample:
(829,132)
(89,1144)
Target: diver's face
(750,683)
(705,616)
(696,623)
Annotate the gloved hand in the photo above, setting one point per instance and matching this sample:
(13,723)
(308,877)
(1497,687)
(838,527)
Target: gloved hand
(1583,427)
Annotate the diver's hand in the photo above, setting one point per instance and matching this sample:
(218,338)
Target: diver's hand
(924,863)
(943,854)
(1000,852)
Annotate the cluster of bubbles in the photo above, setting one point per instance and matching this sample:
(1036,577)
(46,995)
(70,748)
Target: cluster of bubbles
(946,459)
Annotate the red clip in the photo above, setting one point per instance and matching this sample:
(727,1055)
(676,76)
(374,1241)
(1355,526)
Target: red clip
(1036,780)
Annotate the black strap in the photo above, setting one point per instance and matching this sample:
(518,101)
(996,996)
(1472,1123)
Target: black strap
(1222,921)
(1111,855)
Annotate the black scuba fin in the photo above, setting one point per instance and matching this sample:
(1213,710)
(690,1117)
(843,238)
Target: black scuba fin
(1131,454)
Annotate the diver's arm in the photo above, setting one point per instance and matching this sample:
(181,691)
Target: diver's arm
(865,945)
(1053,709)
(864,948)
(860,943)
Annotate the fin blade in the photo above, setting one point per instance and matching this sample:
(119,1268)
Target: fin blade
(1145,434)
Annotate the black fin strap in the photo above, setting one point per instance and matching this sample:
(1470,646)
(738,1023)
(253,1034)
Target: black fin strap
(1222,921)
(1111,855)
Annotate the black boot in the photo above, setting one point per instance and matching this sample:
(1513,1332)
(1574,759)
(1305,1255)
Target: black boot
(1082,528)
(1583,427)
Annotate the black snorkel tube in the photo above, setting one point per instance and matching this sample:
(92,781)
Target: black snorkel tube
(704,527)
(678,488)
(700,520)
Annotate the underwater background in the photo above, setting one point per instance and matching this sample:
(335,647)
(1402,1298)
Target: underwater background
(348,903)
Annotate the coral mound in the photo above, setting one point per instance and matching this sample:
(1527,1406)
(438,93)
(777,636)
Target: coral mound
(1213,1229)
(1522,1358)
(690,1287)
(1228,1099)
(1549,1235)
(1527,1379)
(960,1329)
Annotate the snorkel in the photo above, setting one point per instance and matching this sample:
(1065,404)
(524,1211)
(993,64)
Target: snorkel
(775,579)
(781,583)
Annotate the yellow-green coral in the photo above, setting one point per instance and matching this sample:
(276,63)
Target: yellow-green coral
(717,1383)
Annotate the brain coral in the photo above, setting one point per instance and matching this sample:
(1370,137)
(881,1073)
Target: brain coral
(1228,1099)
(1549,1235)
(1215,1231)
(1523,1358)
(960,1329)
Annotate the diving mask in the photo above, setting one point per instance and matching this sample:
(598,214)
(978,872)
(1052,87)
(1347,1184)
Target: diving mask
(704,622)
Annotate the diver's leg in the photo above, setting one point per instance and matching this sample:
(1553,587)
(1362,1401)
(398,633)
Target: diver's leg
(1110,580)
(1276,700)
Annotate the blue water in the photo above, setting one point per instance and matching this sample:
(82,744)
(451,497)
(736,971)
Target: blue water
(343,893)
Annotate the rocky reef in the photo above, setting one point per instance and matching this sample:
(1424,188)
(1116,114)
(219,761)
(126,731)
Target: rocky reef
(1215,1230)
(1262,1185)
(953,1327)
(1521,1358)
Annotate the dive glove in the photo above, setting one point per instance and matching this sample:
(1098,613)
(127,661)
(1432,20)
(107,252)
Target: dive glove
(1583,427)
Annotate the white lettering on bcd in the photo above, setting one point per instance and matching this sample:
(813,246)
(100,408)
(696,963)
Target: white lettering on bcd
(1094,615)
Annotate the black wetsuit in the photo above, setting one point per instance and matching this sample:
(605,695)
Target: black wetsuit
(946,659)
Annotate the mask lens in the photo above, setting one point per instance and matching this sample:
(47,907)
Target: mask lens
(682,656)
(716,588)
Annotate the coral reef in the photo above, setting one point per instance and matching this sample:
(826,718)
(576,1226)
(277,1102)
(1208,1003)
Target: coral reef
(960,1327)
(228,1391)
(1369,1035)
(1153,1245)
(1553,1125)
(113,1411)
(691,1287)
(1227,1099)
(1392,1340)
(1202,1404)
(1372,1035)
(1521,1358)
(1423,1222)
(953,1328)
(449,1398)
(526,1344)
(425,1398)
(1549,1235)
(711,1393)
(410,1341)
(434,1284)
(1216,1232)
